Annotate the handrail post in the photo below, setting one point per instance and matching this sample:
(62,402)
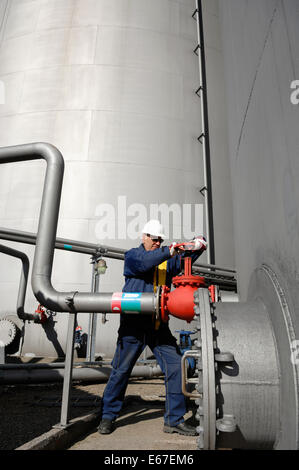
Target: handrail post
(68,369)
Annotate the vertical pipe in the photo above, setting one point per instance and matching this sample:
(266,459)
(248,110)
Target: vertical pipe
(205,136)
(92,321)
(67,381)
(2,354)
(23,282)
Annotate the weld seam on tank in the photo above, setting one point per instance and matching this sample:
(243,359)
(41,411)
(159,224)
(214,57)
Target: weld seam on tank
(251,382)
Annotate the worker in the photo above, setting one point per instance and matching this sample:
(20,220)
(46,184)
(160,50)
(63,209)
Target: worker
(145,268)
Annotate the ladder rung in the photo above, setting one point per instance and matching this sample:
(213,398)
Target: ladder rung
(204,188)
(196,49)
(193,14)
(200,137)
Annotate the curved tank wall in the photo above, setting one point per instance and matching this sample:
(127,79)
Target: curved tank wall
(260,43)
(111,83)
(261,61)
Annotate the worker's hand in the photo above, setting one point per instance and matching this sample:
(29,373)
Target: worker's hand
(175,249)
(200,243)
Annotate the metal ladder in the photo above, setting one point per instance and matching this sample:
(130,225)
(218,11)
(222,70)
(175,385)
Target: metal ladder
(203,138)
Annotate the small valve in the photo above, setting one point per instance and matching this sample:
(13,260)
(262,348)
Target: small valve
(41,315)
(78,337)
(101,266)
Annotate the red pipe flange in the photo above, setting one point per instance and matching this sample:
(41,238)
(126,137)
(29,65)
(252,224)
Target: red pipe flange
(163,306)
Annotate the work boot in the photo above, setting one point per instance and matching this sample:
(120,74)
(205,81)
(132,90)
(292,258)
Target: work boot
(106,426)
(181,428)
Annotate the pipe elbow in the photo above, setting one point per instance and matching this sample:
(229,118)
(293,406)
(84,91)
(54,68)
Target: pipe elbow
(49,152)
(46,295)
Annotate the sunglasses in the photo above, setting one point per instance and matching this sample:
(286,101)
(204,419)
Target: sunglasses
(155,239)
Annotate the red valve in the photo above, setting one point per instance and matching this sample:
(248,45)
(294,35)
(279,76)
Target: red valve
(212,290)
(180,302)
(40,311)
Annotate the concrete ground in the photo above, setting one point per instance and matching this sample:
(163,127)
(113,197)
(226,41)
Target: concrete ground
(140,426)
(141,430)
(29,415)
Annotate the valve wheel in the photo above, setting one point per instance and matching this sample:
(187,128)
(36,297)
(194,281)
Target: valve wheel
(7,332)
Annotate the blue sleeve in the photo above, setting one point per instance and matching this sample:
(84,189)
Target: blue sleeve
(139,261)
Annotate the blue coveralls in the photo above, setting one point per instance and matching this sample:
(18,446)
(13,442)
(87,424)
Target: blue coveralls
(138,331)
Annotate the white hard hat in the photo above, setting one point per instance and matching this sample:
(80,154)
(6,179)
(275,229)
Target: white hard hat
(153,227)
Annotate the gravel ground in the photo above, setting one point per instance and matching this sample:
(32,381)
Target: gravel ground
(27,411)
